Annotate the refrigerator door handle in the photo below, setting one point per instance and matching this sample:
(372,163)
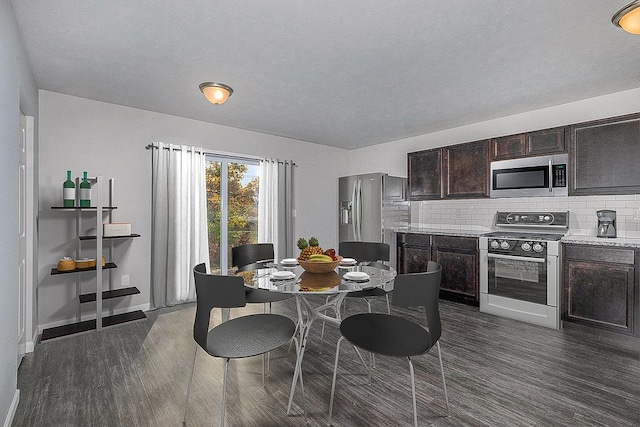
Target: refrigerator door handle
(354,208)
(359,212)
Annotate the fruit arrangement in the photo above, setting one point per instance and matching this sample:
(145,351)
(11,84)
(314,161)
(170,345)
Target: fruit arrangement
(311,251)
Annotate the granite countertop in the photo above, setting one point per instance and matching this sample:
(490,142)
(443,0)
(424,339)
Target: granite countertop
(456,232)
(625,242)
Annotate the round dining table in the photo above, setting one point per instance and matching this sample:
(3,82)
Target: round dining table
(334,286)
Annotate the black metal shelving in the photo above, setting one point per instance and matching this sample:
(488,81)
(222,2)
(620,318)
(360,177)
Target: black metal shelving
(99,321)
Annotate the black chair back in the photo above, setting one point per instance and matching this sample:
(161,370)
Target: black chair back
(245,256)
(421,290)
(364,251)
(214,292)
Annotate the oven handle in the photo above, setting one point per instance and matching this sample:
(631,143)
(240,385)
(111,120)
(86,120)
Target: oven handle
(517,258)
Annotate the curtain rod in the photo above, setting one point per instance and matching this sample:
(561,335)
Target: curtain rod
(226,156)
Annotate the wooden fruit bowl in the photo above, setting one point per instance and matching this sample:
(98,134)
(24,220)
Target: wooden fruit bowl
(319,267)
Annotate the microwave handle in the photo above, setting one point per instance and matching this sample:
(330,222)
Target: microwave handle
(550,176)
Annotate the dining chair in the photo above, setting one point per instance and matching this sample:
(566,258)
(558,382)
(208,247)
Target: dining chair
(237,338)
(396,336)
(245,256)
(252,257)
(367,253)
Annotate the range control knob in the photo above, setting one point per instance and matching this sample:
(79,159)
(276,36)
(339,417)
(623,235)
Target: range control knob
(504,244)
(495,244)
(526,246)
(537,247)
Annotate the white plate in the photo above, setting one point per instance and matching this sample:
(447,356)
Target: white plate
(357,276)
(283,275)
(289,261)
(348,261)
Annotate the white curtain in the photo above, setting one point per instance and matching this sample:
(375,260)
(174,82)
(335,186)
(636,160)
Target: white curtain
(275,206)
(179,222)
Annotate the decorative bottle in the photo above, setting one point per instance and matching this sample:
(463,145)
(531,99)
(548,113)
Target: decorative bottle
(85,191)
(68,192)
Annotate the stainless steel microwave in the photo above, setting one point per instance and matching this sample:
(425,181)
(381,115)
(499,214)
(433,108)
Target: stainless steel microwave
(530,177)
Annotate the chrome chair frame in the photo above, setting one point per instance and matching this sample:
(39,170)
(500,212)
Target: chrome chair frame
(395,336)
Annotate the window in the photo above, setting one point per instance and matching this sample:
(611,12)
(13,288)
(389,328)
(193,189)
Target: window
(232,207)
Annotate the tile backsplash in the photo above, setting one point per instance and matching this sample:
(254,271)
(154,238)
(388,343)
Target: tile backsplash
(479,214)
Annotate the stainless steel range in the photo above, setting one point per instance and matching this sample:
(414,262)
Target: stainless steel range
(520,267)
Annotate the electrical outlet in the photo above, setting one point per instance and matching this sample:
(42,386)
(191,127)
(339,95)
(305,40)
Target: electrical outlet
(636,215)
(124,280)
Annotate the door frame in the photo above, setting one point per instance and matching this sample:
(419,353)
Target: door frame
(27,131)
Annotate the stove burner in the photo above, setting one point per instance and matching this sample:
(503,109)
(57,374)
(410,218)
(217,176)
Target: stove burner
(551,237)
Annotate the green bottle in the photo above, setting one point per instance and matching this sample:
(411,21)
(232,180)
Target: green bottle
(85,191)
(68,192)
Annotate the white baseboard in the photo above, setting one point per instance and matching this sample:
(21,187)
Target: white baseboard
(12,409)
(143,307)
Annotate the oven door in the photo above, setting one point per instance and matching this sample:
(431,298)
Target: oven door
(518,278)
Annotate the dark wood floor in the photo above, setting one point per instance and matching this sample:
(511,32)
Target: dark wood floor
(499,373)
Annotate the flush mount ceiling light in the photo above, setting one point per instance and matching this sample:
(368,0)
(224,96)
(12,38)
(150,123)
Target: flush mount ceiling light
(628,18)
(216,93)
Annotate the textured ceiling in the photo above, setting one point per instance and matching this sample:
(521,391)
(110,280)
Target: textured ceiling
(341,73)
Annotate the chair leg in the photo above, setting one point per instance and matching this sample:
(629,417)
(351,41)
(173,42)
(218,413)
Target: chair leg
(268,354)
(413,393)
(388,305)
(372,357)
(333,383)
(224,392)
(444,384)
(193,365)
(326,301)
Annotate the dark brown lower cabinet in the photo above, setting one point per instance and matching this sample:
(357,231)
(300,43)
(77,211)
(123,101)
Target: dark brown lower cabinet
(601,287)
(459,259)
(457,255)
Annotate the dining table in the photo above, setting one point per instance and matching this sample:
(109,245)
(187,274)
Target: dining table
(287,276)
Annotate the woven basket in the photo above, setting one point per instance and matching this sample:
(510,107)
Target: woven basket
(319,267)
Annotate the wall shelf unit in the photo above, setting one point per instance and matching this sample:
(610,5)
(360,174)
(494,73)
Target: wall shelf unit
(99,321)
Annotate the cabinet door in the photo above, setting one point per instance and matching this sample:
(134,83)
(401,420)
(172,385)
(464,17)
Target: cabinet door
(599,294)
(508,147)
(459,272)
(548,141)
(466,170)
(604,157)
(413,259)
(425,169)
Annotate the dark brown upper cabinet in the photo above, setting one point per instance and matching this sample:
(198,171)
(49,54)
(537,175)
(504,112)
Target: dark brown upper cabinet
(424,171)
(603,156)
(465,170)
(538,143)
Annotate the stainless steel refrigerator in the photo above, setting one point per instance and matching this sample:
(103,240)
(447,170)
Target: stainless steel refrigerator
(372,207)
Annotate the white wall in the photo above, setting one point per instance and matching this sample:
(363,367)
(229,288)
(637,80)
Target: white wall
(17,91)
(480,212)
(109,140)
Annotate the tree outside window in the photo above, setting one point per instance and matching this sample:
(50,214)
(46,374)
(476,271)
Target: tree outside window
(241,200)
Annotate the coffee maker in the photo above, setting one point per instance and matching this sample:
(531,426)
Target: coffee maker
(606,223)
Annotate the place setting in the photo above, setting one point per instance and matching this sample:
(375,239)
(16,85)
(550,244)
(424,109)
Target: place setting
(282,276)
(347,263)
